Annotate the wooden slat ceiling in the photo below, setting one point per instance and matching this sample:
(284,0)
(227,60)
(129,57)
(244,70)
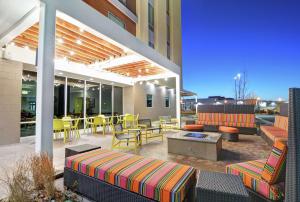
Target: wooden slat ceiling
(136,69)
(81,46)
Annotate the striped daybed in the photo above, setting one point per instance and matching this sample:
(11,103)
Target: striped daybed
(264,178)
(104,175)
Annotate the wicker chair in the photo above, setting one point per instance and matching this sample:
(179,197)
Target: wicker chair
(292,188)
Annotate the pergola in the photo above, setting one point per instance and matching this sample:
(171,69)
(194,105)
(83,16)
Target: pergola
(71,36)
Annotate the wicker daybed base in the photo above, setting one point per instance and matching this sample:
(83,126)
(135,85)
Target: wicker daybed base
(98,190)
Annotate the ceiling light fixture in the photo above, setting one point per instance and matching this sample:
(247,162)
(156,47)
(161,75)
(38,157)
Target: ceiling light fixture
(141,82)
(12,43)
(72,53)
(81,30)
(140,70)
(26,47)
(128,74)
(60,40)
(147,70)
(78,41)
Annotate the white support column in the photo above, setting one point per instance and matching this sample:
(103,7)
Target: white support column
(178,112)
(66,96)
(45,80)
(100,98)
(84,104)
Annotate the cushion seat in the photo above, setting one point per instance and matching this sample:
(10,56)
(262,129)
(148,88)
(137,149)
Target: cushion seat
(193,127)
(250,172)
(231,130)
(274,133)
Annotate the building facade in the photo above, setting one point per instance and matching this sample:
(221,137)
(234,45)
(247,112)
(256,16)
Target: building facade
(109,57)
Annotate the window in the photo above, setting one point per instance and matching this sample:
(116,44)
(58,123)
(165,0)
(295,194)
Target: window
(168,30)
(118,100)
(28,103)
(59,97)
(92,98)
(151,22)
(106,100)
(123,2)
(116,20)
(149,100)
(167,102)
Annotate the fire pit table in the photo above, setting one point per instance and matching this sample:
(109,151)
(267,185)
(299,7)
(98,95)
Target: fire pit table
(206,145)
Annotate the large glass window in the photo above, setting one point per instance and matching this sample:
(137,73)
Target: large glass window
(75,97)
(118,100)
(59,97)
(106,99)
(151,22)
(28,103)
(92,98)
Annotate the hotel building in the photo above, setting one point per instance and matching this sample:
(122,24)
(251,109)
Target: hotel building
(83,58)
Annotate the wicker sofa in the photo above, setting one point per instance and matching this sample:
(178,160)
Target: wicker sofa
(276,132)
(104,175)
(211,121)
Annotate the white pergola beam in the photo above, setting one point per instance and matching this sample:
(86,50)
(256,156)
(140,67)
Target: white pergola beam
(45,80)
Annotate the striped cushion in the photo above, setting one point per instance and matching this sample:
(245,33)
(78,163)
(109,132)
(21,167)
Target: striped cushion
(250,173)
(240,120)
(210,118)
(275,165)
(274,133)
(282,122)
(155,179)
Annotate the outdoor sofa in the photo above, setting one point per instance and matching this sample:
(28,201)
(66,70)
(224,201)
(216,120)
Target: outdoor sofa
(245,123)
(276,132)
(104,175)
(264,178)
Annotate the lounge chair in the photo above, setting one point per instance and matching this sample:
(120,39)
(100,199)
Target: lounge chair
(264,178)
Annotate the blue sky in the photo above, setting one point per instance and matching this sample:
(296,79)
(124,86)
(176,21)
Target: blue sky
(221,38)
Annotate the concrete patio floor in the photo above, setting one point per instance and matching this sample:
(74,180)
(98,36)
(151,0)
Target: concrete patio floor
(250,147)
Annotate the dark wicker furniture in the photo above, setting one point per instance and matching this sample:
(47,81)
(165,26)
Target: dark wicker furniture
(212,186)
(70,151)
(292,188)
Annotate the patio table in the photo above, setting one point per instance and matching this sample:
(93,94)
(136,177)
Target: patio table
(213,186)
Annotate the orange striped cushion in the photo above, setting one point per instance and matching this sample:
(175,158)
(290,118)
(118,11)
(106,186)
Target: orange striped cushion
(282,122)
(275,164)
(240,120)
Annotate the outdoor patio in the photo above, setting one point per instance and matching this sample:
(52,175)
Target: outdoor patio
(249,147)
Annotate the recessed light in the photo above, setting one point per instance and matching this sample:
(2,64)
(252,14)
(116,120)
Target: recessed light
(72,53)
(128,74)
(140,70)
(81,30)
(60,40)
(141,82)
(147,70)
(78,41)
(12,43)
(26,47)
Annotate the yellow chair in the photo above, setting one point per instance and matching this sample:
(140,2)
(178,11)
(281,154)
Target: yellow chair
(58,127)
(150,132)
(129,121)
(75,128)
(98,121)
(67,122)
(124,139)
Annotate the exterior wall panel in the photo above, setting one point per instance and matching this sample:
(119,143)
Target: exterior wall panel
(104,7)
(10,102)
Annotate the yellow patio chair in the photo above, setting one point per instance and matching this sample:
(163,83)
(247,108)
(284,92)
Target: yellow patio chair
(58,127)
(129,121)
(98,121)
(67,122)
(123,139)
(75,128)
